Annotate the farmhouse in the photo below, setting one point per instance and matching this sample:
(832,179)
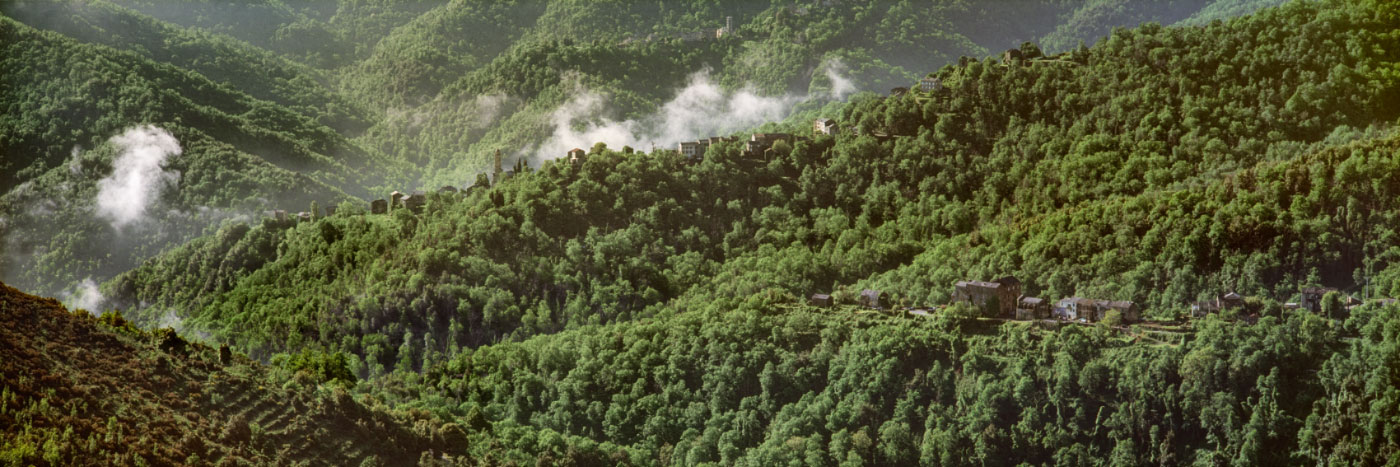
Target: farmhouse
(998,298)
(1126,309)
(1312,298)
(930,84)
(1011,56)
(1205,307)
(1073,308)
(1032,308)
(762,141)
(416,201)
(693,148)
(870,298)
(1231,300)
(820,299)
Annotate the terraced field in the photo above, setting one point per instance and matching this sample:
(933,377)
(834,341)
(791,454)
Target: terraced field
(97,391)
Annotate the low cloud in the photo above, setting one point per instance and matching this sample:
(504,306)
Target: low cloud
(84,295)
(841,86)
(137,174)
(701,109)
(487,108)
(172,320)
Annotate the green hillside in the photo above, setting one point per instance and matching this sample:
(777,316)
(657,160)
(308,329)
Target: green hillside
(240,155)
(281,104)
(1233,176)
(82,390)
(1103,172)
(760,382)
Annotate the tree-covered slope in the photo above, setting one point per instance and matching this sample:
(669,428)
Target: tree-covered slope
(312,102)
(644,307)
(259,73)
(466,79)
(69,102)
(82,390)
(1136,169)
(757,382)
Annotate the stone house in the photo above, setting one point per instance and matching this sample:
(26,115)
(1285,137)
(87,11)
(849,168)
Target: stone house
(1011,56)
(693,148)
(870,298)
(1312,298)
(1127,309)
(1073,308)
(930,84)
(378,206)
(760,142)
(824,126)
(997,298)
(415,202)
(820,300)
(1202,308)
(1032,308)
(1231,300)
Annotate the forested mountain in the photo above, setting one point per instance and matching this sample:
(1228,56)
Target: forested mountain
(276,105)
(317,101)
(635,305)
(73,111)
(1149,167)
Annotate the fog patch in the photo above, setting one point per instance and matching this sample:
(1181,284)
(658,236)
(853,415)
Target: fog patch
(700,109)
(487,108)
(84,295)
(172,320)
(75,161)
(137,174)
(835,71)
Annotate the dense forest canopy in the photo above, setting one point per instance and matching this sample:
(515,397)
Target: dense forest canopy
(627,303)
(282,103)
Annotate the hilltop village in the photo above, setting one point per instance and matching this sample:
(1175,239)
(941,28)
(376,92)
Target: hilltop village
(1002,299)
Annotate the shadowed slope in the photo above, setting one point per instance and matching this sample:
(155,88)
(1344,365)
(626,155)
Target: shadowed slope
(78,389)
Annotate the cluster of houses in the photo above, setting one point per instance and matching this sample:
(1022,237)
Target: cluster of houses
(760,144)
(415,200)
(1002,298)
(397,200)
(697,148)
